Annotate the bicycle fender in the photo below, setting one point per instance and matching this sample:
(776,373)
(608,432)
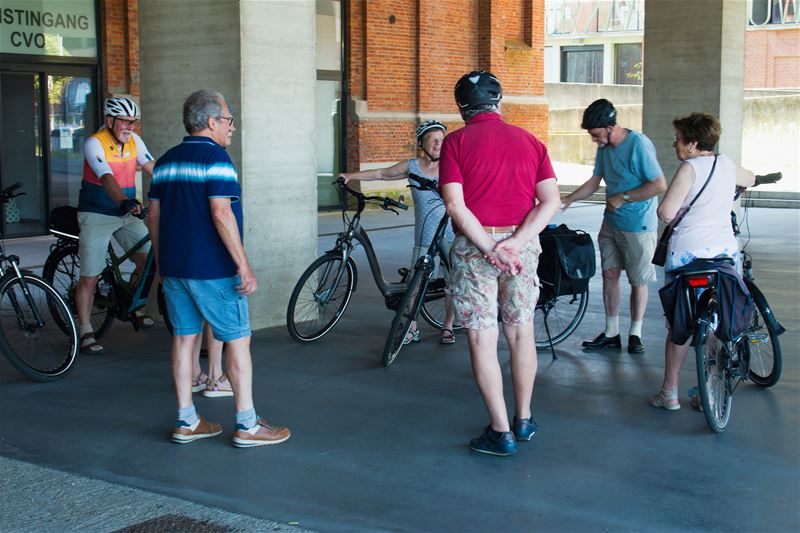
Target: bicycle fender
(763,306)
(338,254)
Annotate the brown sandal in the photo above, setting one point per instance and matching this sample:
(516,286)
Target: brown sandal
(90,347)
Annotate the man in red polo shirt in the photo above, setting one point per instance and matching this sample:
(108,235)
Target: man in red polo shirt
(500,190)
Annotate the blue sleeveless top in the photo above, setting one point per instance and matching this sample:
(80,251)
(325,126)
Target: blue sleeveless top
(428,210)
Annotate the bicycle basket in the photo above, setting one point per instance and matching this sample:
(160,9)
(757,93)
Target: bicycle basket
(64,221)
(567,261)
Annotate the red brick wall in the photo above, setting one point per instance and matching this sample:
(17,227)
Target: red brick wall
(772,58)
(405,56)
(119,30)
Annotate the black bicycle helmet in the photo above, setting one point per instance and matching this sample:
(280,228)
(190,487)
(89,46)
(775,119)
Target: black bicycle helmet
(599,114)
(478,88)
(427,126)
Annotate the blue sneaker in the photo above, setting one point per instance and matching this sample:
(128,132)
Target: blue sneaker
(524,429)
(494,442)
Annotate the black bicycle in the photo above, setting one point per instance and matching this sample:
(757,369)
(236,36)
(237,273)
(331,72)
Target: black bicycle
(117,296)
(323,292)
(37,332)
(755,354)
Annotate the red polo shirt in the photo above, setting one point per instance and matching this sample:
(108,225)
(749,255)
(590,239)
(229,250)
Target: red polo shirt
(498,165)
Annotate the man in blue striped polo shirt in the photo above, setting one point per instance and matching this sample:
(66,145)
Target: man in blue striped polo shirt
(196,230)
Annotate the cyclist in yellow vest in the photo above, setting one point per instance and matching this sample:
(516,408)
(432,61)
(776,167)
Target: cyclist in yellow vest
(107,205)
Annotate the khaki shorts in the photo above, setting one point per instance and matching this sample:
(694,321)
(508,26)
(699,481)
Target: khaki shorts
(632,252)
(478,287)
(96,232)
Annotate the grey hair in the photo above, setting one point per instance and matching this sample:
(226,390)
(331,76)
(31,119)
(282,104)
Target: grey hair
(199,107)
(477,110)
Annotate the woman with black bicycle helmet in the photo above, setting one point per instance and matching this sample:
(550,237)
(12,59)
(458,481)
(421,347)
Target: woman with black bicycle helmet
(428,206)
(706,230)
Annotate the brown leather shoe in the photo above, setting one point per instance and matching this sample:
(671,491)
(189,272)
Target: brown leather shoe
(201,430)
(262,434)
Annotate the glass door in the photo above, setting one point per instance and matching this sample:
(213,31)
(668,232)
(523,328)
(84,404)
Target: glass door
(22,157)
(70,118)
(46,112)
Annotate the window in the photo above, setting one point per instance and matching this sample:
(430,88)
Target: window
(628,67)
(773,12)
(582,64)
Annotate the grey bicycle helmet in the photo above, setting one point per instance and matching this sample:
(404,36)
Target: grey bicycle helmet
(599,114)
(121,107)
(427,126)
(478,88)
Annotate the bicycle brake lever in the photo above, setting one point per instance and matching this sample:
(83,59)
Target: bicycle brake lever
(393,211)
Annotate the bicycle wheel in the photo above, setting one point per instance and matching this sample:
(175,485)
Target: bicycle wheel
(764,351)
(714,380)
(42,352)
(62,270)
(405,316)
(320,298)
(560,315)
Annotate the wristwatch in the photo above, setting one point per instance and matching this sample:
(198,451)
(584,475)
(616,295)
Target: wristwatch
(626,197)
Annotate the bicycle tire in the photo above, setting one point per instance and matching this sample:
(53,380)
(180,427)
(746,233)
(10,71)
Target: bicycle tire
(405,315)
(714,380)
(563,314)
(763,351)
(162,307)
(41,353)
(62,271)
(315,305)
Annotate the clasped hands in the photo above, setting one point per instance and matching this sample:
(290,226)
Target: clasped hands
(506,255)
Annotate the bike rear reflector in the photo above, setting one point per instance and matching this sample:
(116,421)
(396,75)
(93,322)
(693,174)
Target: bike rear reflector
(699,281)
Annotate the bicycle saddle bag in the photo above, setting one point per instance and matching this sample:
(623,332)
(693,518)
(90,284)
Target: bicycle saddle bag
(567,260)
(64,221)
(734,301)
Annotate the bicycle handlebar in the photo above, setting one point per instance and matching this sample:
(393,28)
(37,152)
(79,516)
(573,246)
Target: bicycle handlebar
(386,203)
(424,183)
(8,193)
(761,179)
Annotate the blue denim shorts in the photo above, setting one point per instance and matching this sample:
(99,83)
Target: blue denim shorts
(190,301)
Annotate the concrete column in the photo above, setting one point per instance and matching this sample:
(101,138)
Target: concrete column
(694,61)
(261,56)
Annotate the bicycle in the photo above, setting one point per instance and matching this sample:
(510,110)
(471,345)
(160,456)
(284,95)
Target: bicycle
(323,292)
(755,354)
(37,332)
(115,297)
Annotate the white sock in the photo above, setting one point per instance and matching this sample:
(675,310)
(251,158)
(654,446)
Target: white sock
(636,328)
(83,329)
(612,326)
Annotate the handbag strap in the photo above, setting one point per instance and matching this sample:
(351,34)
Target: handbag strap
(689,207)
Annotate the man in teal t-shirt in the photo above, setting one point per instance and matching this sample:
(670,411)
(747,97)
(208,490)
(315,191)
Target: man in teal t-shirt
(626,161)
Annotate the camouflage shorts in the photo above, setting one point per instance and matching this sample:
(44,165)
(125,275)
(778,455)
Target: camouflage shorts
(478,287)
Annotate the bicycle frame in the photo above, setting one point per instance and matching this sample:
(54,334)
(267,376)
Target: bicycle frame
(140,291)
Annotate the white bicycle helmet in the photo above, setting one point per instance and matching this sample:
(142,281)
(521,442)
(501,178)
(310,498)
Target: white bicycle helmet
(427,126)
(121,107)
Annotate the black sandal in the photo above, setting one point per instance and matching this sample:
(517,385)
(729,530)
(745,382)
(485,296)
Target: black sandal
(90,347)
(446,336)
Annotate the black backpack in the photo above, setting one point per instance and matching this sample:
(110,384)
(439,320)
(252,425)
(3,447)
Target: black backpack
(567,261)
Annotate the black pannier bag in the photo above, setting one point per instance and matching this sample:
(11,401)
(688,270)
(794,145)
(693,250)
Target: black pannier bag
(64,221)
(567,261)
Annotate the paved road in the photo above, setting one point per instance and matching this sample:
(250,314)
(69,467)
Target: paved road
(379,449)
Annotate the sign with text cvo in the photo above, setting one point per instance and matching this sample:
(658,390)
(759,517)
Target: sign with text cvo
(63,28)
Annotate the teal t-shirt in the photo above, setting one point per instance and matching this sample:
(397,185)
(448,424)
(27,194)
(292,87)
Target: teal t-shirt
(625,167)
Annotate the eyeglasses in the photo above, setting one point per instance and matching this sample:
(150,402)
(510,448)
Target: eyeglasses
(126,123)
(229,119)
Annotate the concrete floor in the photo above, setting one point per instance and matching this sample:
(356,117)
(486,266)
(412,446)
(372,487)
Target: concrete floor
(378,449)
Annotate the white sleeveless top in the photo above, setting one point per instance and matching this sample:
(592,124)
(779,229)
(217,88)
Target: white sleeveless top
(708,224)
